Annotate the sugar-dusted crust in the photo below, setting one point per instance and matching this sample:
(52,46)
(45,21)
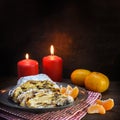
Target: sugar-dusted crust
(39,94)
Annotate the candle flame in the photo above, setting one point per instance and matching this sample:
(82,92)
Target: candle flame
(52,50)
(27,56)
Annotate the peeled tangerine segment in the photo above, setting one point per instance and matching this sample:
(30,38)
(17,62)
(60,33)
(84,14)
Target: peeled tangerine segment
(74,93)
(96,108)
(70,91)
(63,90)
(108,104)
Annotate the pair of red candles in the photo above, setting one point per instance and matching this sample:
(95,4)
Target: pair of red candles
(52,66)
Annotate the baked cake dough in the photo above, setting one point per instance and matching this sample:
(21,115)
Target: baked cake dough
(39,94)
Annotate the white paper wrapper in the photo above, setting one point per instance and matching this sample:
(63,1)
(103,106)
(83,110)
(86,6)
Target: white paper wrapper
(39,77)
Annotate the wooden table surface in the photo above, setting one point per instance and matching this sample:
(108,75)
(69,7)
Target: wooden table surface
(113,92)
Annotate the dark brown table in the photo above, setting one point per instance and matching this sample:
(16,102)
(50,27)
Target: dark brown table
(113,92)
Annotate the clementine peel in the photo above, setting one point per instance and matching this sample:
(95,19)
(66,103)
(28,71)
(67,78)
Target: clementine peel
(78,76)
(97,82)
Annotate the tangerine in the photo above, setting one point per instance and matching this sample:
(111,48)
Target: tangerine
(73,92)
(78,76)
(108,104)
(62,90)
(97,82)
(96,108)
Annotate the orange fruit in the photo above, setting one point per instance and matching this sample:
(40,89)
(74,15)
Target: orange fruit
(97,82)
(62,90)
(96,108)
(108,104)
(73,92)
(78,76)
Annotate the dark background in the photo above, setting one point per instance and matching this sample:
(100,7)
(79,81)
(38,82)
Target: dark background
(86,34)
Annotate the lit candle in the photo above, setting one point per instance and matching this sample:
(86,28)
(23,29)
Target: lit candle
(52,66)
(27,67)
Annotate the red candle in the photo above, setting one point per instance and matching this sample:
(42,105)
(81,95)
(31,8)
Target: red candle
(27,67)
(52,66)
